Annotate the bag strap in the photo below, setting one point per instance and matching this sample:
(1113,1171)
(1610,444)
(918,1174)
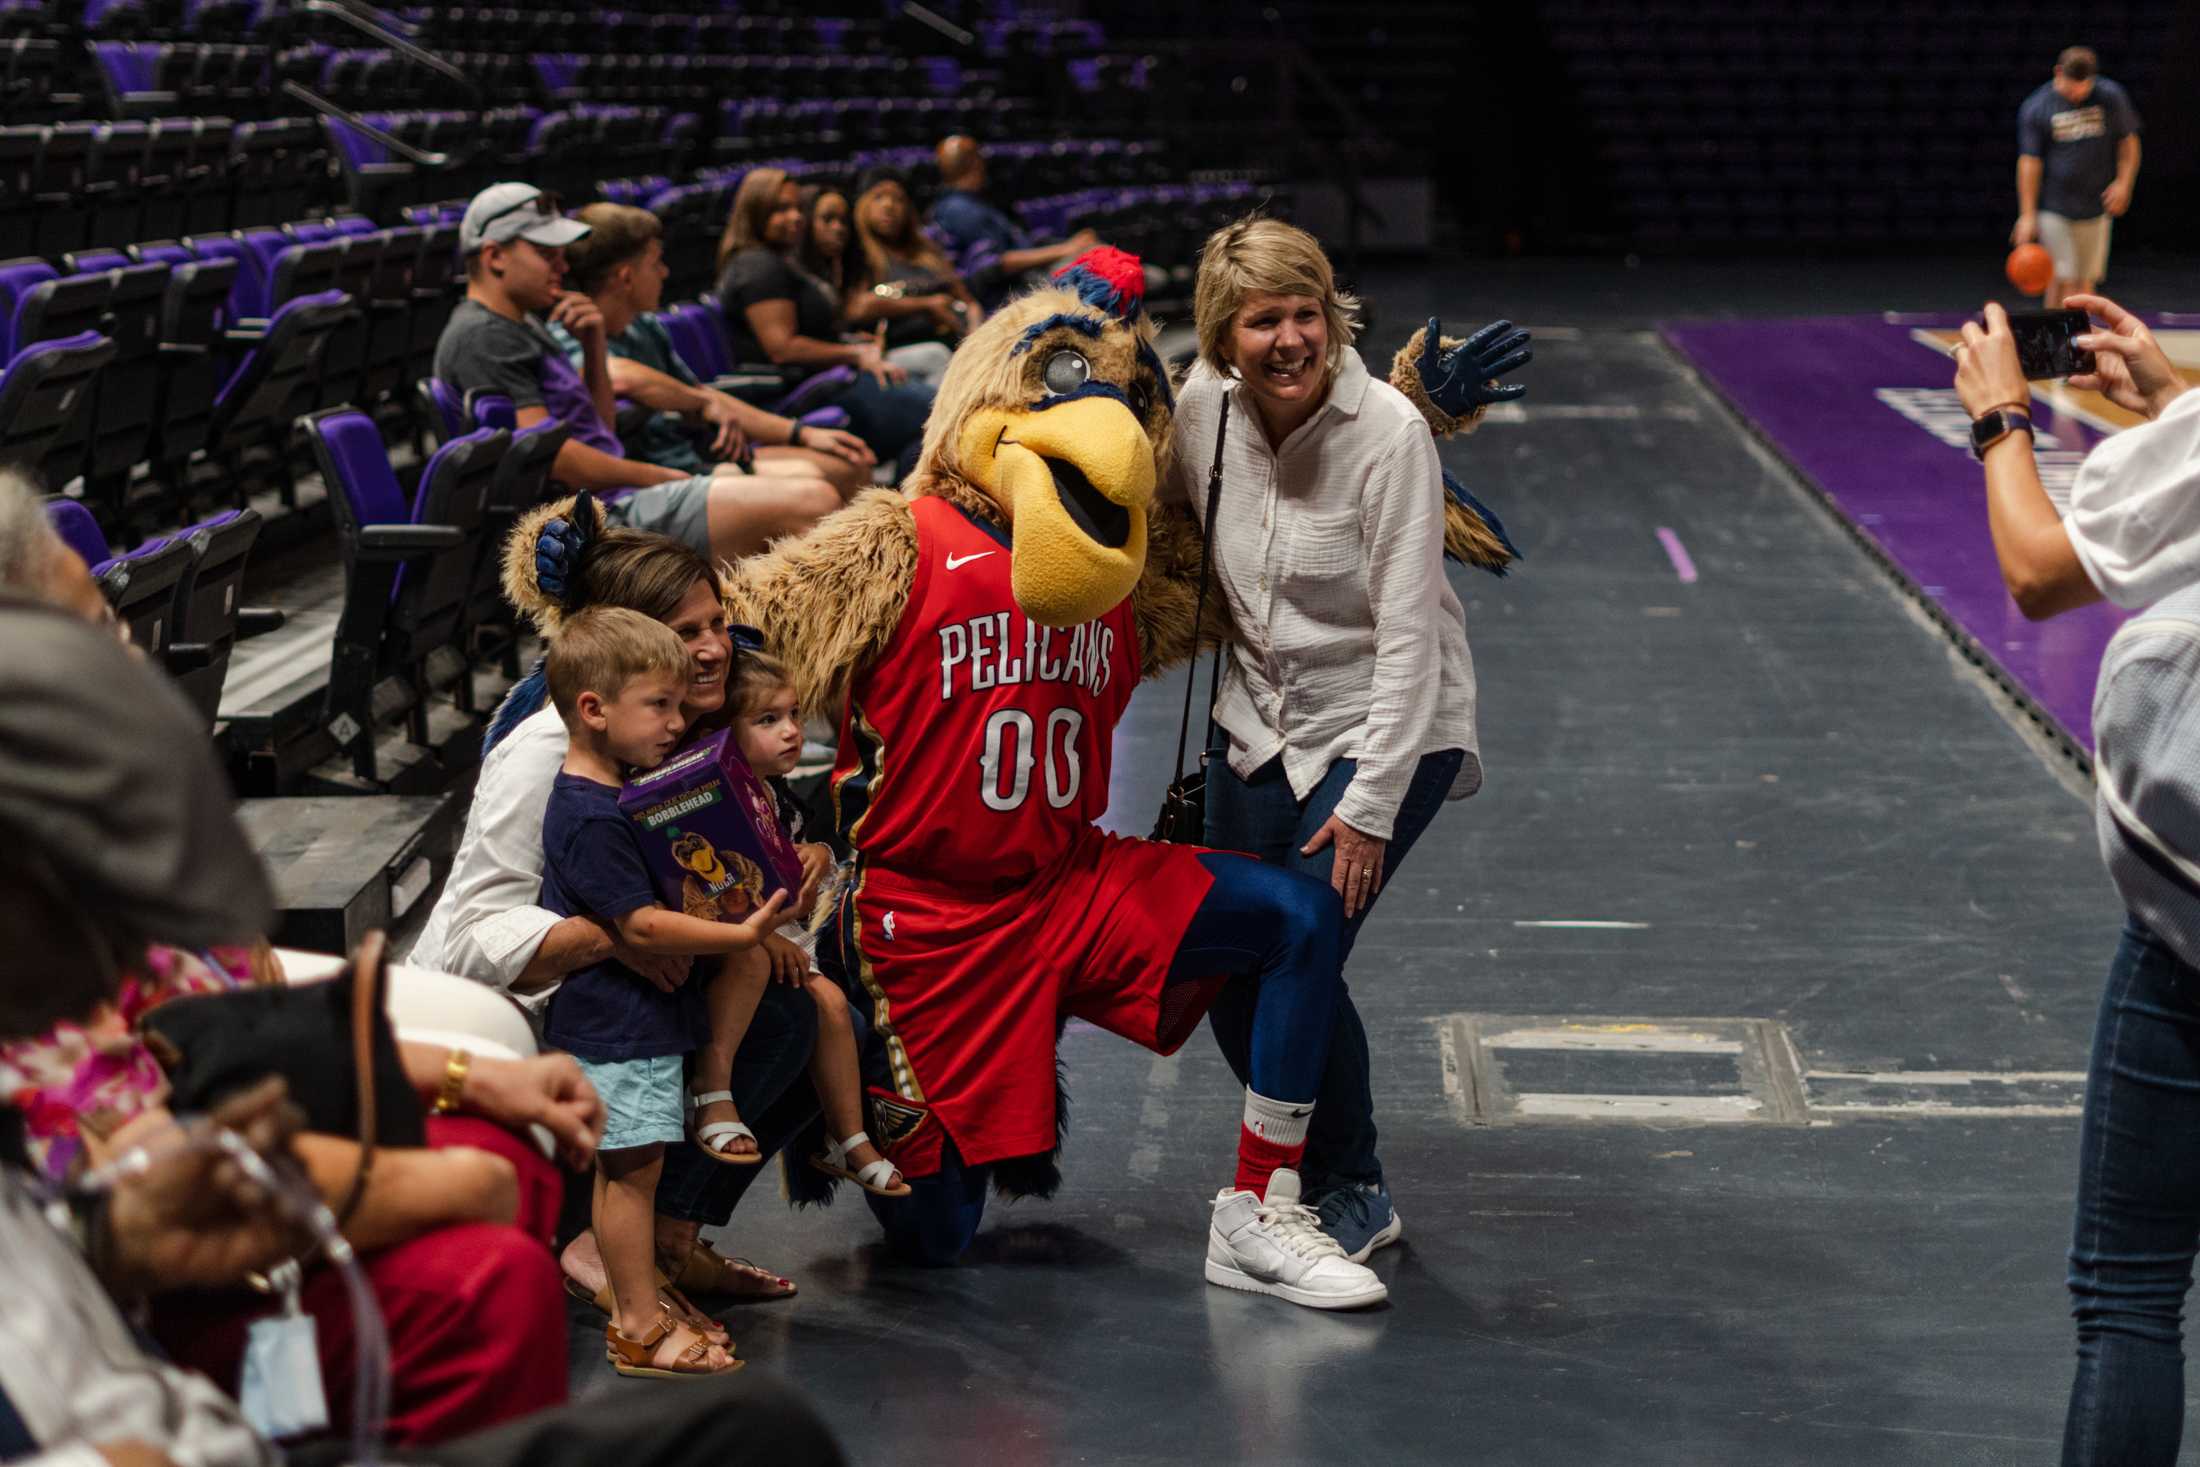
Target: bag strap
(1199,607)
(370,967)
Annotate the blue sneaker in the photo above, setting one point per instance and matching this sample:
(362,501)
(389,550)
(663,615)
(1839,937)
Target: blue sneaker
(1360,1218)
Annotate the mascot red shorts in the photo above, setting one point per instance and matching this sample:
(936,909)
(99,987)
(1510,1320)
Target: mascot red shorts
(971,989)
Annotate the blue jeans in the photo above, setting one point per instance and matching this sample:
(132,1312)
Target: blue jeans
(1275,933)
(772,1091)
(889,419)
(1261,817)
(2138,1213)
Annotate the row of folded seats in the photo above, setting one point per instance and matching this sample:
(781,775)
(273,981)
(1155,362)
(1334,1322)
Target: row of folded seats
(179,594)
(209,18)
(421,567)
(77,184)
(711,30)
(420,577)
(195,357)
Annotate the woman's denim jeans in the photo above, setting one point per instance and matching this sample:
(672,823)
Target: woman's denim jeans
(2138,1214)
(1261,817)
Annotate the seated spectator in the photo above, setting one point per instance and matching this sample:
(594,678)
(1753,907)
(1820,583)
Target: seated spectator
(2131,530)
(497,340)
(825,231)
(776,312)
(130,842)
(620,265)
(489,923)
(453,1235)
(899,277)
(963,215)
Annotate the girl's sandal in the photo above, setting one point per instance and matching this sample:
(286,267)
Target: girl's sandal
(675,1303)
(703,1271)
(881,1178)
(716,1134)
(639,1357)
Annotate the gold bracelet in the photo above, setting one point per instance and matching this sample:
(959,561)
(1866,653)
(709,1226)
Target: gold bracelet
(454,1081)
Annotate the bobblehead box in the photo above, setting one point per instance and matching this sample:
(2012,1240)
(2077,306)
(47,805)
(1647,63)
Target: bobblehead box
(708,832)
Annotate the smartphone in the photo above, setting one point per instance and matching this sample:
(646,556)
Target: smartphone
(2047,343)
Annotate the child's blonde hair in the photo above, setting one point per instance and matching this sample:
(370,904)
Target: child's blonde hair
(1256,254)
(756,677)
(602,649)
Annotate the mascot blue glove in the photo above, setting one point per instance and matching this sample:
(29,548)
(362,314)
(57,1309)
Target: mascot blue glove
(1463,377)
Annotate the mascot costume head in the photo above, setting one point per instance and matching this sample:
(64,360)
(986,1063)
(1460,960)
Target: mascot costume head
(1051,422)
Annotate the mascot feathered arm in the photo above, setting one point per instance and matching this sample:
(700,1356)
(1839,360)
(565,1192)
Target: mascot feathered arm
(826,602)
(1453,382)
(1167,595)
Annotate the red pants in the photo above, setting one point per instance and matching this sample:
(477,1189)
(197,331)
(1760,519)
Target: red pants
(475,1312)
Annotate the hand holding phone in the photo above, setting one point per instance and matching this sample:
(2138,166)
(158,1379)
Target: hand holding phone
(2047,343)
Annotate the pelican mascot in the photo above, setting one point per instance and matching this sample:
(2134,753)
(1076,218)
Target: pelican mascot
(976,636)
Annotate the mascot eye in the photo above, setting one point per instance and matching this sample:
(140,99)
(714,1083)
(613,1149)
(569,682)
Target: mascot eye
(1066,371)
(1141,399)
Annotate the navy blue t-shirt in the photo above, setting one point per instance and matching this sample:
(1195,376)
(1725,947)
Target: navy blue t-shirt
(966,219)
(2076,143)
(592,865)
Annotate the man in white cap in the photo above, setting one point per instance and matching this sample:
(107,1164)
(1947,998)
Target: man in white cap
(514,239)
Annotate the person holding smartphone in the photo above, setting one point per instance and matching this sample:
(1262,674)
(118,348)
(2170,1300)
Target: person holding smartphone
(2131,534)
(2131,530)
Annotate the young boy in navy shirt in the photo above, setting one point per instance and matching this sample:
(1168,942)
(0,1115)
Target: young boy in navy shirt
(617,678)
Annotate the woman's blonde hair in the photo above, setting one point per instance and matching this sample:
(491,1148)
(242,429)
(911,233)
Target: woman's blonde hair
(753,204)
(879,252)
(1257,254)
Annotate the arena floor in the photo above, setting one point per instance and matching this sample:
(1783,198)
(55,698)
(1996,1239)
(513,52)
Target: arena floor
(1728,1044)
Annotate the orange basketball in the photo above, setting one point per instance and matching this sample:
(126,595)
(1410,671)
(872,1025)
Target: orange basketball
(2030,268)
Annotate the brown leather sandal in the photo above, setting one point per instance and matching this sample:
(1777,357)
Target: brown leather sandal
(638,1357)
(703,1270)
(676,1303)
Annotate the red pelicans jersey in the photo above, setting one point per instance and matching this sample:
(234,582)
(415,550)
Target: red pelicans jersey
(978,745)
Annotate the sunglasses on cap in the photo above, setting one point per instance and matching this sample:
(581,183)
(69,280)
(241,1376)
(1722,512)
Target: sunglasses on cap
(545,204)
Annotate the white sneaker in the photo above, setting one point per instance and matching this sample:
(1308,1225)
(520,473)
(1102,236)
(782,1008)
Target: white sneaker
(1276,1246)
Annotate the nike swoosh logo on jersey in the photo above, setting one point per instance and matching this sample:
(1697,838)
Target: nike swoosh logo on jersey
(957,562)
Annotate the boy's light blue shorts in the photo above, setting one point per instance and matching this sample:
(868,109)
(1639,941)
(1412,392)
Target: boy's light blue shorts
(644,1100)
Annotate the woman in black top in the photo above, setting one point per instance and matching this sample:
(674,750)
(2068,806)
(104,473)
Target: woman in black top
(826,255)
(777,312)
(898,276)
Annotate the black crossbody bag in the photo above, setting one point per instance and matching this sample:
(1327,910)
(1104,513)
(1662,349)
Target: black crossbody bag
(1183,819)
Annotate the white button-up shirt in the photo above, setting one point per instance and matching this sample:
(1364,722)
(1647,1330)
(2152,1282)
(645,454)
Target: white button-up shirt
(2134,509)
(487,924)
(1330,550)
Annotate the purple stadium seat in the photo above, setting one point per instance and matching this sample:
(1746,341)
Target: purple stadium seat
(45,393)
(409,566)
(79,530)
(205,618)
(141,587)
(280,375)
(191,316)
(445,411)
(523,481)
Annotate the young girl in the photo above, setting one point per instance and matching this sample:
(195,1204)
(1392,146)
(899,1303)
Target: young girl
(768,726)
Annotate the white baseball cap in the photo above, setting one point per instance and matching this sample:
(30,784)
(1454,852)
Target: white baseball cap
(503,212)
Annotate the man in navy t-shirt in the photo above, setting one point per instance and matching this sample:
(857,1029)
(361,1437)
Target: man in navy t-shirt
(963,215)
(2078,147)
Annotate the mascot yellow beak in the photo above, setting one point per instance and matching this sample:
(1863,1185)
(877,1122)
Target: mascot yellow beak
(1075,481)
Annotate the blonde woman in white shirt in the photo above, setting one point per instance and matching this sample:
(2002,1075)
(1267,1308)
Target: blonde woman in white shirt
(1346,714)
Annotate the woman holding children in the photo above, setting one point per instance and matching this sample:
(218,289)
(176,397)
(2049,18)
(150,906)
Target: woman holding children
(752,1038)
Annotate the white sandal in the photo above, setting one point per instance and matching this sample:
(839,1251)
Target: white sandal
(715,1134)
(874,1179)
